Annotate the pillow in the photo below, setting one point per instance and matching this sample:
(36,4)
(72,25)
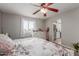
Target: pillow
(6,44)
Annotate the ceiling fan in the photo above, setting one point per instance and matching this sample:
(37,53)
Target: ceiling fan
(44,8)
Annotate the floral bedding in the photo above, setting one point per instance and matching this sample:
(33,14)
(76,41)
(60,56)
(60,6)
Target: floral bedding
(6,44)
(39,47)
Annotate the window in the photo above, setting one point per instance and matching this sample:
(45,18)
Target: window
(25,25)
(28,25)
(31,25)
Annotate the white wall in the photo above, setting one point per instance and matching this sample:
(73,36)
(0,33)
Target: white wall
(70,26)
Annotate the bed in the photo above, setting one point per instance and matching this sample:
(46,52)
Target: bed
(33,46)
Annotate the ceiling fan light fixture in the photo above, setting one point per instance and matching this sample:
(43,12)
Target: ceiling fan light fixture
(44,10)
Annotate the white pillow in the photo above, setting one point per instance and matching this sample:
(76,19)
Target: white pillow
(6,43)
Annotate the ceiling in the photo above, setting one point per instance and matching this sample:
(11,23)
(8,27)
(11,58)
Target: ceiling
(27,9)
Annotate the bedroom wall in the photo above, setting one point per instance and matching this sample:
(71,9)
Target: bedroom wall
(70,26)
(11,24)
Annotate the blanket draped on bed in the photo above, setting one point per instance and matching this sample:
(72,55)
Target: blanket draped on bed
(39,47)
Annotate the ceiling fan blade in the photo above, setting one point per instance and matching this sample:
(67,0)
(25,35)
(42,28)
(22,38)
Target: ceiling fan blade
(48,4)
(36,11)
(52,9)
(45,14)
(42,4)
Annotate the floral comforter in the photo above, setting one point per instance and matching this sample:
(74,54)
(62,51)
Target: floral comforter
(39,47)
